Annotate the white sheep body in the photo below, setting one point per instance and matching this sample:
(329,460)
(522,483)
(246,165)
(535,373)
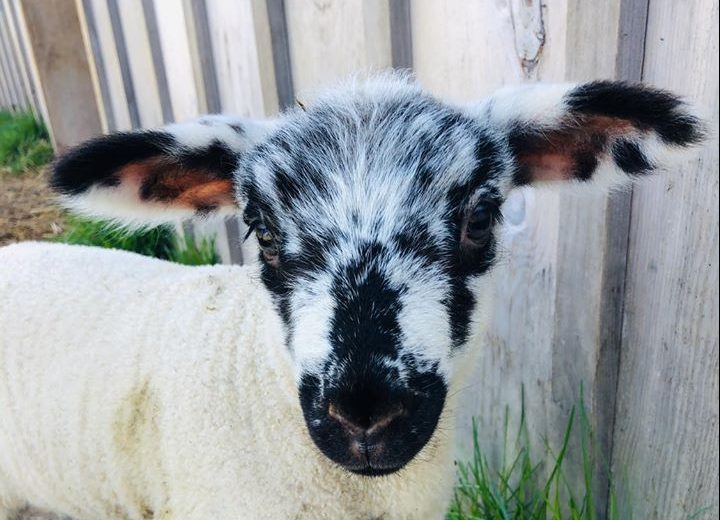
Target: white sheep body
(136,388)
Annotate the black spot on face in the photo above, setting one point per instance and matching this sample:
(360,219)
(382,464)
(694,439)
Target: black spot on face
(365,322)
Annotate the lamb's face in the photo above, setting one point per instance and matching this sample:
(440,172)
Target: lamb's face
(376,224)
(376,212)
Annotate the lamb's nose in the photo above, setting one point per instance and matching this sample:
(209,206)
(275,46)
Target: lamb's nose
(361,422)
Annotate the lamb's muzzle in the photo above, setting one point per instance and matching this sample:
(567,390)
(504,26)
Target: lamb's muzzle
(371,426)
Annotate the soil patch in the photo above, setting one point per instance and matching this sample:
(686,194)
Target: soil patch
(27,208)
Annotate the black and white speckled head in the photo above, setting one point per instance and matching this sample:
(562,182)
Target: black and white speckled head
(376,210)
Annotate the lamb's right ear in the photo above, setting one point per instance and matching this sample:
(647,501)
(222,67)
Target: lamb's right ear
(150,177)
(601,134)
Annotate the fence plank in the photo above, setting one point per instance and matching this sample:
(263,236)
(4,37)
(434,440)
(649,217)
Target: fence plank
(332,39)
(140,61)
(555,254)
(12,65)
(280,47)
(61,61)
(176,54)
(117,105)
(30,65)
(666,435)
(240,44)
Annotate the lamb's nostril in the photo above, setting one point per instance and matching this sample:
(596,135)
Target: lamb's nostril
(367,423)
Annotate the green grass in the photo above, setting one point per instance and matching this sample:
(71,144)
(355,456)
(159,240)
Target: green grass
(161,242)
(24,142)
(523,487)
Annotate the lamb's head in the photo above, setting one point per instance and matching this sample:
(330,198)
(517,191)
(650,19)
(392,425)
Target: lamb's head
(376,210)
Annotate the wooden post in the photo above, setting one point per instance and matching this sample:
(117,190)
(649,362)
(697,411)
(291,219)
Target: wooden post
(61,61)
(110,72)
(553,300)
(328,42)
(666,431)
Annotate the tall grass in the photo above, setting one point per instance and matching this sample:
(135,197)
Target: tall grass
(24,142)
(161,242)
(524,487)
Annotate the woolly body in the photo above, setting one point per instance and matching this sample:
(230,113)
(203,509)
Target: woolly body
(135,388)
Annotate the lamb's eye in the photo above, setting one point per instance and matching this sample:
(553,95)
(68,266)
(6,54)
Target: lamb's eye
(264,236)
(266,241)
(479,224)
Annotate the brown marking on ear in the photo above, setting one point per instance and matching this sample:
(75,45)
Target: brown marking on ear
(165,181)
(570,151)
(208,196)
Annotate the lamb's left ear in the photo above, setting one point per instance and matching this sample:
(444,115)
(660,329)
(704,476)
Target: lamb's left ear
(151,177)
(607,132)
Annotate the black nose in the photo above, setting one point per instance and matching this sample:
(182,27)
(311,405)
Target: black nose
(372,425)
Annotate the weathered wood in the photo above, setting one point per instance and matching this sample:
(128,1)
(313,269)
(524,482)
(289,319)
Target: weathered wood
(11,65)
(62,65)
(158,60)
(23,42)
(277,20)
(554,293)
(332,39)
(401,34)
(666,433)
(118,106)
(238,44)
(174,41)
(133,28)
(93,40)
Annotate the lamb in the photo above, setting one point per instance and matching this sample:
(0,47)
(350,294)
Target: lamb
(321,381)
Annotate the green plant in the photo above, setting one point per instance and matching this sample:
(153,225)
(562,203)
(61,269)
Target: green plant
(161,242)
(522,487)
(24,142)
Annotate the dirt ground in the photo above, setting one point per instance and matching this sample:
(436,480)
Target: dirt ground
(27,210)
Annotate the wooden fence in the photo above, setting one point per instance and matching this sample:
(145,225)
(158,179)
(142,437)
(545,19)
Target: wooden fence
(616,294)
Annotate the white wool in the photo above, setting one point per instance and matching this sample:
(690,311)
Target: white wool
(136,388)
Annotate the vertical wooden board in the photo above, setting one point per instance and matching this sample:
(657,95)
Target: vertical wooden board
(95,64)
(14,38)
(8,80)
(172,28)
(11,65)
(117,100)
(545,327)
(4,96)
(666,436)
(61,61)
(331,39)
(238,46)
(142,68)
(23,40)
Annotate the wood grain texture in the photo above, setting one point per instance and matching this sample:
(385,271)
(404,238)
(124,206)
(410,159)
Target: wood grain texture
(280,47)
(62,65)
(140,61)
(552,289)
(118,103)
(331,39)
(176,55)
(26,50)
(241,46)
(666,435)
(10,63)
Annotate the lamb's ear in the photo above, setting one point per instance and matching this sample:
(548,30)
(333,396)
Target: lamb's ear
(604,132)
(150,177)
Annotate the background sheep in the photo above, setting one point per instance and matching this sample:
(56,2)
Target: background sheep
(376,212)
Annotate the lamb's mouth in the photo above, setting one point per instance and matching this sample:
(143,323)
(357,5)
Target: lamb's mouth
(371,471)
